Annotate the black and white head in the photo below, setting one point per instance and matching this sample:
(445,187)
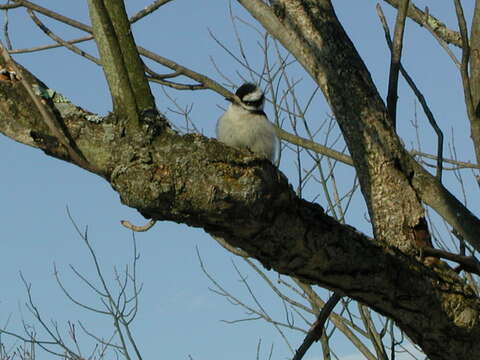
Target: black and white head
(251,97)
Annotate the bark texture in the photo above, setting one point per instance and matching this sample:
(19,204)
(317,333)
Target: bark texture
(390,178)
(475,79)
(393,184)
(200,182)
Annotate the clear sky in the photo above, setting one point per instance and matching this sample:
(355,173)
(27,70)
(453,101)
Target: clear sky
(178,315)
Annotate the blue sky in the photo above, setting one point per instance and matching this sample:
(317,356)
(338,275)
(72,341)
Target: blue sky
(178,315)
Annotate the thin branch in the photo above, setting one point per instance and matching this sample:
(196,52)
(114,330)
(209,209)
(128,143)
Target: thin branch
(396,54)
(202,79)
(430,22)
(139,15)
(138,228)
(160,79)
(311,145)
(275,289)
(148,10)
(318,328)
(10,6)
(72,299)
(227,246)
(36,313)
(419,95)
(5,29)
(441,41)
(467,263)
(467,91)
(340,322)
(54,15)
(372,332)
(51,46)
(60,41)
(457,163)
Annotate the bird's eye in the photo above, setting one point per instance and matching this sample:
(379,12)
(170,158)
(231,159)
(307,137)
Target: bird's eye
(255,103)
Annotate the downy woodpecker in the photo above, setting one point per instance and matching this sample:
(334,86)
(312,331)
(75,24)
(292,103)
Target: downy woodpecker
(246,125)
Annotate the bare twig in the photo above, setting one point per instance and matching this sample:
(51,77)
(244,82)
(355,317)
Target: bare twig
(60,41)
(148,10)
(51,46)
(311,145)
(432,23)
(54,15)
(9,6)
(137,228)
(467,91)
(467,263)
(373,334)
(160,79)
(458,164)
(396,54)
(227,246)
(5,29)
(141,14)
(441,41)
(419,95)
(318,328)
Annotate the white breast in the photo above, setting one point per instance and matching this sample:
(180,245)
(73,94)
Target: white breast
(240,128)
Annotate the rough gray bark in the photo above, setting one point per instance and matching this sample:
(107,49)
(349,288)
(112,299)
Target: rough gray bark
(200,182)
(248,202)
(475,78)
(390,178)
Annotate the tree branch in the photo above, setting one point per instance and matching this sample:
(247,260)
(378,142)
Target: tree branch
(121,63)
(249,204)
(148,10)
(60,41)
(475,71)
(426,19)
(396,54)
(131,59)
(467,91)
(316,332)
(420,97)
(49,117)
(363,123)
(114,67)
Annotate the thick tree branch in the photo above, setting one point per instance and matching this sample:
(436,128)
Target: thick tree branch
(114,67)
(464,72)
(49,117)
(472,91)
(389,176)
(131,59)
(121,62)
(247,202)
(312,33)
(204,81)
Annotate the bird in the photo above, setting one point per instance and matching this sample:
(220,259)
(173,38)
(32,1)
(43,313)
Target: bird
(245,124)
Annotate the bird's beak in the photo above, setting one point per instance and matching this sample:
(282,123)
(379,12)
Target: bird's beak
(229,99)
